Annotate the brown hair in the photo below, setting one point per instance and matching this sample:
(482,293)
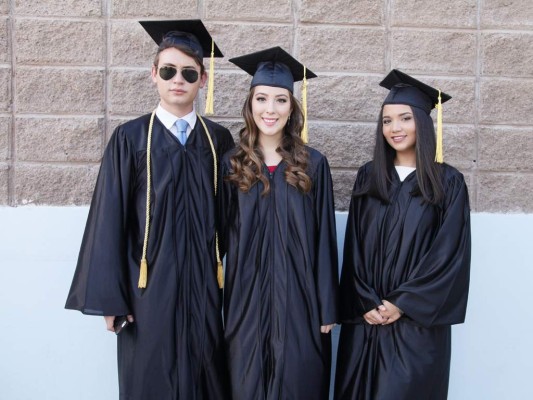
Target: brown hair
(168,44)
(247,162)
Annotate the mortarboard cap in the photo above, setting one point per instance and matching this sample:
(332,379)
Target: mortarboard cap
(192,34)
(273,67)
(405,89)
(186,32)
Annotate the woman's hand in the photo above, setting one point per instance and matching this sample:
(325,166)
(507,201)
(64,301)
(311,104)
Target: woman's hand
(109,320)
(390,312)
(326,328)
(374,317)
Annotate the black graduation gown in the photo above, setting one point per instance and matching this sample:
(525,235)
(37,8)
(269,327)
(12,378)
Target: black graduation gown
(174,350)
(281,285)
(417,256)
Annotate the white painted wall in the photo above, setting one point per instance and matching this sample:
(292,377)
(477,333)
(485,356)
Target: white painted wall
(48,353)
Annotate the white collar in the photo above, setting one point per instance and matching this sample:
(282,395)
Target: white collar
(168,119)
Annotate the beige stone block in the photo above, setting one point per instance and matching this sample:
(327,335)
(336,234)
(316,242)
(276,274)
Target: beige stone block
(4,7)
(59,139)
(130,45)
(237,39)
(362,12)
(132,92)
(5,129)
(60,8)
(234,126)
(511,14)
(112,124)
(52,90)
(447,14)
(508,54)
(5,89)
(345,98)
(459,146)
(504,148)
(4,184)
(345,145)
(45,184)
(498,192)
(4,41)
(343,181)
(163,9)
(259,10)
(506,101)
(367,49)
(429,51)
(59,42)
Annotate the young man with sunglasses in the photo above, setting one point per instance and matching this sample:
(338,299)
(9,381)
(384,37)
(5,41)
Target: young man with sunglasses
(149,253)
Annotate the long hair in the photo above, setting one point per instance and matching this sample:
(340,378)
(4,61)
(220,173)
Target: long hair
(428,172)
(167,44)
(247,161)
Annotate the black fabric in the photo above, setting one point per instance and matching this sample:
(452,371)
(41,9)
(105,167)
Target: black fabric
(174,348)
(417,256)
(281,285)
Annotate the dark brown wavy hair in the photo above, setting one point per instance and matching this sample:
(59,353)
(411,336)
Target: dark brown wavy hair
(247,162)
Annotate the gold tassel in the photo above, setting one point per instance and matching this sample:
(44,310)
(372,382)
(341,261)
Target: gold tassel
(438,153)
(209,103)
(305,135)
(220,274)
(143,276)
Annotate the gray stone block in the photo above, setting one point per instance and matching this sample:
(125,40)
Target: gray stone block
(45,184)
(508,54)
(60,8)
(5,89)
(130,44)
(506,101)
(505,148)
(261,10)
(366,52)
(343,181)
(132,92)
(59,139)
(361,12)
(53,90)
(4,184)
(5,51)
(230,93)
(433,51)
(5,130)
(237,39)
(345,145)
(447,14)
(507,14)
(459,146)
(155,9)
(498,192)
(59,42)
(4,7)
(342,98)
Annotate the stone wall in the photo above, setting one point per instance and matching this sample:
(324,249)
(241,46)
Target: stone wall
(71,70)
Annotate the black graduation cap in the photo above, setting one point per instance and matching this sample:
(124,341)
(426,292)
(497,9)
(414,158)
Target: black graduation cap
(405,89)
(273,67)
(187,32)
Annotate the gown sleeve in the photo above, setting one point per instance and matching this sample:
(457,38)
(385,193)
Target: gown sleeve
(437,293)
(326,273)
(357,297)
(100,283)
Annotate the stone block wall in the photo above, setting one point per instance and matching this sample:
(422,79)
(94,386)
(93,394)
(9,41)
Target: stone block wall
(72,70)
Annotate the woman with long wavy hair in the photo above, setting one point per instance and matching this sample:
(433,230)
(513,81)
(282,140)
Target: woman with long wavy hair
(406,264)
(278,227)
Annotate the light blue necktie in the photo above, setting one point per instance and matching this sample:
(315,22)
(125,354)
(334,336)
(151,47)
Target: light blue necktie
(181,126)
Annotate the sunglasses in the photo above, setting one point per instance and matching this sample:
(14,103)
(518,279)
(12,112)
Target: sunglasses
(189,74)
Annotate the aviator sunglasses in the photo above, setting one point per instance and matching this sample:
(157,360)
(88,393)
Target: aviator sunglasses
(168,72)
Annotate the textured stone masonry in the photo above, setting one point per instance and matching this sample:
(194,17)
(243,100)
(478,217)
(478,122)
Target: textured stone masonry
(73,70)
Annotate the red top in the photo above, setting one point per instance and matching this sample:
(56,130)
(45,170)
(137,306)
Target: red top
(271,168)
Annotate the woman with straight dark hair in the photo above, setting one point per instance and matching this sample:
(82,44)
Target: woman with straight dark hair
(406,264)
(278,225)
